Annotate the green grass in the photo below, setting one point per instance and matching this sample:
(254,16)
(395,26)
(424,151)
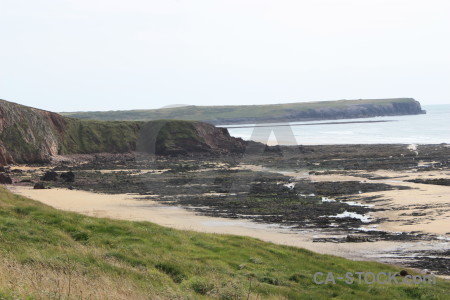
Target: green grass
(47,253)
(216,114)
(87,136)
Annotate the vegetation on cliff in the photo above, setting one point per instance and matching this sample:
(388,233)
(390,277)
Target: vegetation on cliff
(86,136)
(51,254)
(287,112)
(33,135)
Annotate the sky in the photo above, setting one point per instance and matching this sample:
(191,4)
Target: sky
(81,55)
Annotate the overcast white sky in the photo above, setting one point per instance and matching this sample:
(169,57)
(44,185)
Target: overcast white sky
(71,55)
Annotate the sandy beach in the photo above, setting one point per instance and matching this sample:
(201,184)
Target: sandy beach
(424,207)
(129,207)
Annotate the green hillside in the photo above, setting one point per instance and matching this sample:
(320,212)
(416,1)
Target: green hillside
(51,254)
(89,136)
(273,112)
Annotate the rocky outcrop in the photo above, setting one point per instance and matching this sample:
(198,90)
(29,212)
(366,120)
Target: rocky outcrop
(30,135)
(39,186)
(33,135)
(173,137)
(5,179)
(50,176)
(68,176)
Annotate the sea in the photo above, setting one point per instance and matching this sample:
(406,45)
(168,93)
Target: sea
(430,128)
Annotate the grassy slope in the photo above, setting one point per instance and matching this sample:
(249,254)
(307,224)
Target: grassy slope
(203,113)
(46,253)
(86,136)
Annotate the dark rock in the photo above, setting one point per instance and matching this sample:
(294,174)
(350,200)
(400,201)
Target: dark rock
(68,176)
(304,149)
(39,186)
(272,149)
(50,176)
(437,181)
(5,179)
(175,137)
(403,273)
(357,239)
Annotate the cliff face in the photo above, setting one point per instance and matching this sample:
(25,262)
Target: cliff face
(359,111)
(332,112)
(169,137)
(29,135)
(32,135)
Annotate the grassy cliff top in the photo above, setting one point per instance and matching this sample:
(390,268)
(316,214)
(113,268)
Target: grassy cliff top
(46,253)
(207,113)
(33,135)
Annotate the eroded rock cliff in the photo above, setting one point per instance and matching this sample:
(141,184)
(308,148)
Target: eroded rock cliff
(29,135)
(168,137)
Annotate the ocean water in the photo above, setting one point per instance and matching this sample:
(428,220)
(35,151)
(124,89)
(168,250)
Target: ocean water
(430,128)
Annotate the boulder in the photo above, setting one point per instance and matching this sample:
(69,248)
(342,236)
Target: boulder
(39,186)
(5,179)
(50,176)
(68,176)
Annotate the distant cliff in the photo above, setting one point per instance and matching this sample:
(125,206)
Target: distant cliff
(289,112)
(29,135)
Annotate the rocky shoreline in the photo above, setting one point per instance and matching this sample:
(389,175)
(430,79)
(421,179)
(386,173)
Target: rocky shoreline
(338,191)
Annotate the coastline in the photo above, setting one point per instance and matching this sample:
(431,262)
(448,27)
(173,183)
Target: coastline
(129,207)
(363,202)
(430,128)
(134,207)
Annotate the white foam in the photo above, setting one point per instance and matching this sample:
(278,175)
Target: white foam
(290,185)
(326,199)
(352,203)
(347,214)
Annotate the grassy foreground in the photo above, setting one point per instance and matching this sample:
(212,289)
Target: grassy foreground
(51,254)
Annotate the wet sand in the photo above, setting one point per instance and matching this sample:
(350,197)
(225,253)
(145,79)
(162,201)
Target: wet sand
(424,208)
(129,207)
